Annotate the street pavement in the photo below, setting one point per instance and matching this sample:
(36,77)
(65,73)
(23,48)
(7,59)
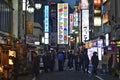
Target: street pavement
(68,75)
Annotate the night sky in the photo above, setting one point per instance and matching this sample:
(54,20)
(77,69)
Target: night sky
(70,2)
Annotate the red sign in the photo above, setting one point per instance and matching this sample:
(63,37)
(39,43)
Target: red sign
(71,17)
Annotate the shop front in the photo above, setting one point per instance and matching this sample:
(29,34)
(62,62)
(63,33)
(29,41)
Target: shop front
(4,55)
(95,46)
(7,49)
(115,44)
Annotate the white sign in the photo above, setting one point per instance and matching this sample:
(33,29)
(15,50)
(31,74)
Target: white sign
(75,19)
(85,25)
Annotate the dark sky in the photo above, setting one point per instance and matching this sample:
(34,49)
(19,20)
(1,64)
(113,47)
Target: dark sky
(70,2)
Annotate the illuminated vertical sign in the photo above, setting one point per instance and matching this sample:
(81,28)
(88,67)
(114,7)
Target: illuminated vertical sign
(85,25)
(62,22)
(71,23)
(75,18)
(100,45)
(46,17)
(46,24)
(107,39)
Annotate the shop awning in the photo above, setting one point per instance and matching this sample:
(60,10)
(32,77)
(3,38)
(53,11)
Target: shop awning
(37,25)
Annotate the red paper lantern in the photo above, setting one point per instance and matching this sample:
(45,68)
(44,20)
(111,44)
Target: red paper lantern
(97,2)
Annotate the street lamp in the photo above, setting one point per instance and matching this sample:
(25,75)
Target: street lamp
(29,6)
(32,8)
(38,5)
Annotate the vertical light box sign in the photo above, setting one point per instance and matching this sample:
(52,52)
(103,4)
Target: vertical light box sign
(46,17)
(75,19)
(85,25)
(46,24)
(71,23)
(62,26)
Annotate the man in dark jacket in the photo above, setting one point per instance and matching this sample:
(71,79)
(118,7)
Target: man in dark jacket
(35,64)
(95,62)
(77,59)
(85,61)
(70,60)
(46,61)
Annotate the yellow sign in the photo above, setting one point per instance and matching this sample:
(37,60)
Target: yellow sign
(29,27)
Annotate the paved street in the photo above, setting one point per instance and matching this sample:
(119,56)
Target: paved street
(68,75)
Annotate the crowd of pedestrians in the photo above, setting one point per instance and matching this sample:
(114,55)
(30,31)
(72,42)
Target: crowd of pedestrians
(51,60)
(75,60)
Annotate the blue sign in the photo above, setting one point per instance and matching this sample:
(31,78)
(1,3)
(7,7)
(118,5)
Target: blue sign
(46,17)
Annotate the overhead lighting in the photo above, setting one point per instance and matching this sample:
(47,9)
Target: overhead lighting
(38,5)
(31,9)
(97,11)
(76,32)
(97,21)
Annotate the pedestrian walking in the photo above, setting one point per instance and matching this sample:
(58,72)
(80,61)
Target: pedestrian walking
(70,60)
(35,65)
(60,57)
(95,62)
(85,61)
(52,60)
(46,61)
(105,59)
(110,62)
(77,59)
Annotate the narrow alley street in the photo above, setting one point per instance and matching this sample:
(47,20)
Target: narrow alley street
(68,75)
